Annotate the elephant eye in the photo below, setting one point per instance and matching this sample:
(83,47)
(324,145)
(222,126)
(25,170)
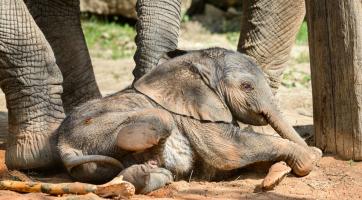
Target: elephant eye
(247,86)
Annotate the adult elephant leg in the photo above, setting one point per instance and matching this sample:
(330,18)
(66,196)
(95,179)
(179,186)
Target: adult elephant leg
(59,20)
(31,81)
(157,32)
(268,31)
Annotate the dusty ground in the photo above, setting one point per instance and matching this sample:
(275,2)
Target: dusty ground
(332,178)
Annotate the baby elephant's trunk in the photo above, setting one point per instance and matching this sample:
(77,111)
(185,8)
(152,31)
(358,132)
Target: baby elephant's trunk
(282,127)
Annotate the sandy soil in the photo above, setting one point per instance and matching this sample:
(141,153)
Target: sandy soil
(332,178)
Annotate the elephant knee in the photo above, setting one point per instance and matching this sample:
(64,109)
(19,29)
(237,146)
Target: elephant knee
(145,130)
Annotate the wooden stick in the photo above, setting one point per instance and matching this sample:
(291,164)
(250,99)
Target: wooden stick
(115,188)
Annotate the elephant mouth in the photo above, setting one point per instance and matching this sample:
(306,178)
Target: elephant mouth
(255,119)
(262,120)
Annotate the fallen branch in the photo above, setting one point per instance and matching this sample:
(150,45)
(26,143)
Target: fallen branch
(115,188)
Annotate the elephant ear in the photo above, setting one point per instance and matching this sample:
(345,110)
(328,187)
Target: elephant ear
(171,54)
(184,88)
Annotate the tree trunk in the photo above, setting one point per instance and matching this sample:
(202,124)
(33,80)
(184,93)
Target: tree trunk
(335,42)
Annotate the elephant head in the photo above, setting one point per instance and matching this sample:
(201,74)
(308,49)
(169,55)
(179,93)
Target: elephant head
(216,85)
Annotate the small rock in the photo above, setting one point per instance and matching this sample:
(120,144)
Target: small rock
(213,12)
(232,12)
(124,8)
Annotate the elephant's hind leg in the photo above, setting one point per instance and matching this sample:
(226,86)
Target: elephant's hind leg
(145,129)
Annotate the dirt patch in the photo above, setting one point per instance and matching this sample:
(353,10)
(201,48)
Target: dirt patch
(331,179)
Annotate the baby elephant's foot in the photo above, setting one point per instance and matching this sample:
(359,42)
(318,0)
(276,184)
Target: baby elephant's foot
(279,170)
(304,159)
(147,177)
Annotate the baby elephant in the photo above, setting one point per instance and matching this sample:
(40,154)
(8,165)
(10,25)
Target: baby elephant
(182,116)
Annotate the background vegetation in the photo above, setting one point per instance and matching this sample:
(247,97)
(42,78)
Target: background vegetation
(110,38)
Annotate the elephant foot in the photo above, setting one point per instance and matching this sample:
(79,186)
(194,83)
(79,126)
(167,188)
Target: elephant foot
(302,160)
(276,174)
(316,153)
(31,151)
(278,171)
(147,177)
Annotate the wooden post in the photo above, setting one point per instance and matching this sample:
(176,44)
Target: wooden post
(335,43)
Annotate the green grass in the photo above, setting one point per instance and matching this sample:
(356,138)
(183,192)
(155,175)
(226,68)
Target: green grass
(115,40)
(303,57)
(302,36)
(351,163)
(109,39)
(233,37)
(293,78)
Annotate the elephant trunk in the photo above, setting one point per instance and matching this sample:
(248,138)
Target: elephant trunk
(281,126)
(268,32)
(157,32)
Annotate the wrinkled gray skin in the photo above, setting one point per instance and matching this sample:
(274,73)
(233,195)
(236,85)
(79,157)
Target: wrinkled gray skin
(45,73)
(45,69)
(180,117)
(268,32)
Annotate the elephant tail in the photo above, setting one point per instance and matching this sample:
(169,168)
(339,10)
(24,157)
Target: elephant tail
(73,157)
(80,160)
(88,168)
(92,168)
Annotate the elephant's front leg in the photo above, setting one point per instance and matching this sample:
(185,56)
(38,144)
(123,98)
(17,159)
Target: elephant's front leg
(226,147)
